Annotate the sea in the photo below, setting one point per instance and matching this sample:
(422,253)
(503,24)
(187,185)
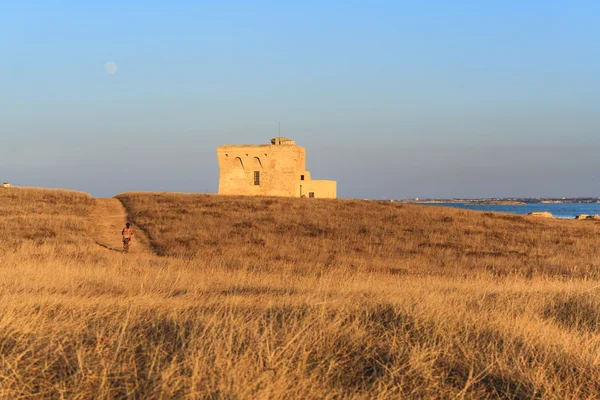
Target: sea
(558,210)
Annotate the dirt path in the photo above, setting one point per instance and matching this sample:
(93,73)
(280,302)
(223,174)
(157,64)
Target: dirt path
(107,219)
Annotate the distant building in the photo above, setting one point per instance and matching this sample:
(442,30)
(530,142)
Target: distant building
(276,169)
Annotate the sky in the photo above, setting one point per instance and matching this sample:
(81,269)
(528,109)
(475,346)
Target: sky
(393,99)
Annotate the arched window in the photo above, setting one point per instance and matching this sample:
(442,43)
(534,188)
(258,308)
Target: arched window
(238,164)
(256,164)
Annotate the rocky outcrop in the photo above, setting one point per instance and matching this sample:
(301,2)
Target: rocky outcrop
(542,214)
(590,217)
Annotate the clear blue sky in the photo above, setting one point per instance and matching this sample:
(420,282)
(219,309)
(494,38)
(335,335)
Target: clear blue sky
(391,98)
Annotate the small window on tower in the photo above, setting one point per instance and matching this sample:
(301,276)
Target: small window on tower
(256,178)
(301,177)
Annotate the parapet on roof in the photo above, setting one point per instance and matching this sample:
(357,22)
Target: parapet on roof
(282,141)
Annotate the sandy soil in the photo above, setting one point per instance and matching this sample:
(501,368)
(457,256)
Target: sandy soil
(107,220)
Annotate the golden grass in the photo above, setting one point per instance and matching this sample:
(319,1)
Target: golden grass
(285,298)
(309,236)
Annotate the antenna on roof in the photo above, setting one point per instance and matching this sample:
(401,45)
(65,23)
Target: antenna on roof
(279,132)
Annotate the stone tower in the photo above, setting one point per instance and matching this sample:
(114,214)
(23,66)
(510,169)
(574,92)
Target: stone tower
(276,169)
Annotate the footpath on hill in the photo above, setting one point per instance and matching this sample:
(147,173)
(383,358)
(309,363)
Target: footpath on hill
(107,220)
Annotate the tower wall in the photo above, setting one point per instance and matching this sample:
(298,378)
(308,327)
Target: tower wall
(278,169)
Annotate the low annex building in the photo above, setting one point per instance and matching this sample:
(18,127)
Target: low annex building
(276,169)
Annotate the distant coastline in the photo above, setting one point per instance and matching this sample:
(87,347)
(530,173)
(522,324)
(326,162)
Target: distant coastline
(505,201)
(562,209)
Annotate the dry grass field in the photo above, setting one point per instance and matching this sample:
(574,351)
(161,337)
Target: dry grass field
(295,298)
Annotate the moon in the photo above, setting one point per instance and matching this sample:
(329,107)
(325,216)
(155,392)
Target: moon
(110,68)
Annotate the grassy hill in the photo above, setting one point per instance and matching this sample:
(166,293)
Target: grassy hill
(295,298)
(363,236)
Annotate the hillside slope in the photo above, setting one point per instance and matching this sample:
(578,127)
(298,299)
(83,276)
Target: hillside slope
(267,233)
(283,298)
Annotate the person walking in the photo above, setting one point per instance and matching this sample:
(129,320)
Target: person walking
(127,234)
